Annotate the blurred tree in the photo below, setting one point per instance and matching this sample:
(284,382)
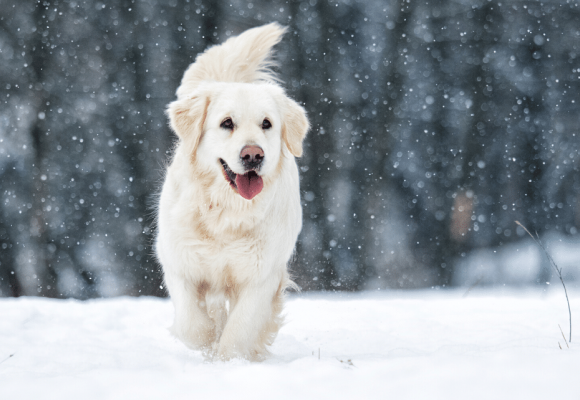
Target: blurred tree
(434,127)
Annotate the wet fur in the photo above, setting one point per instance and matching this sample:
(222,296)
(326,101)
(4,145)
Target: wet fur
(224,257)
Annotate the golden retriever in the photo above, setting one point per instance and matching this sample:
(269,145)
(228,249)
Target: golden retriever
(229,211)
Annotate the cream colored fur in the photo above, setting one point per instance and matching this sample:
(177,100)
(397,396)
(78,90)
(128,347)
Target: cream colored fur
(224,257)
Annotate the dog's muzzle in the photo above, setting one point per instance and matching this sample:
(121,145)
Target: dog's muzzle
(249,184)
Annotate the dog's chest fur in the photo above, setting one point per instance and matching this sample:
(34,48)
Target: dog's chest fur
(227,237)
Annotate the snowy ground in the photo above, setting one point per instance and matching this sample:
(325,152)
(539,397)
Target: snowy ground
(493,344)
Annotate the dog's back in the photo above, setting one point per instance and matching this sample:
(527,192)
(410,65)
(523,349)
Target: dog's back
(223,63)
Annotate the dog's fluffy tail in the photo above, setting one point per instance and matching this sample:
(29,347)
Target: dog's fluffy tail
(244,58)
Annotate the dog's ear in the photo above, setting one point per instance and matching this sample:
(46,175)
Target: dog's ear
(294,127)
(187,117)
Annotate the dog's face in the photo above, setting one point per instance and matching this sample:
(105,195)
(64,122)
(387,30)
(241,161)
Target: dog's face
(238,130)
(242,135)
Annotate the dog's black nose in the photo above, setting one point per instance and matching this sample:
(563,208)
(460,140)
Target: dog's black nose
(252,157)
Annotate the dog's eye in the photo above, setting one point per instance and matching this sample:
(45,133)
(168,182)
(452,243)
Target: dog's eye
(227,124)
(266,124)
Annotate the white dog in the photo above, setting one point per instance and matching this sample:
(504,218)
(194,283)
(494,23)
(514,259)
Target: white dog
(229,212)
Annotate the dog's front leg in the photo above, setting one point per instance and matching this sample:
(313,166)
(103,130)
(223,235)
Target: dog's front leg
(192,324)
(253,322)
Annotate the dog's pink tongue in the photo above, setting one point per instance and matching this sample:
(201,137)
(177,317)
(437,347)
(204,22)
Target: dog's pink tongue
(249,185)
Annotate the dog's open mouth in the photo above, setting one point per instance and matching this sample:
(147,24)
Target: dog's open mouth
(247,185)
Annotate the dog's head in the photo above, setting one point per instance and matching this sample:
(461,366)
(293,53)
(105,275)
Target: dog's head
(239,130)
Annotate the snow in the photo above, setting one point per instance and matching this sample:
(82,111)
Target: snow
(489,344)
(521,263)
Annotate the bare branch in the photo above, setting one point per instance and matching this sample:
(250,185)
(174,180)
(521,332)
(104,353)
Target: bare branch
(10,356)
(472,286)
(558,270)
(563,336)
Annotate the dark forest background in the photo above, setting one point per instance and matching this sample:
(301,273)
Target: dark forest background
(434,127)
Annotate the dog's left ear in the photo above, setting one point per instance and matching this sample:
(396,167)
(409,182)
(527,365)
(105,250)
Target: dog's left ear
(187,118)
(294,127)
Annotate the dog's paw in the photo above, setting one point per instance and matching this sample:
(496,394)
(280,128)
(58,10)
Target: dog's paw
(230,352)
